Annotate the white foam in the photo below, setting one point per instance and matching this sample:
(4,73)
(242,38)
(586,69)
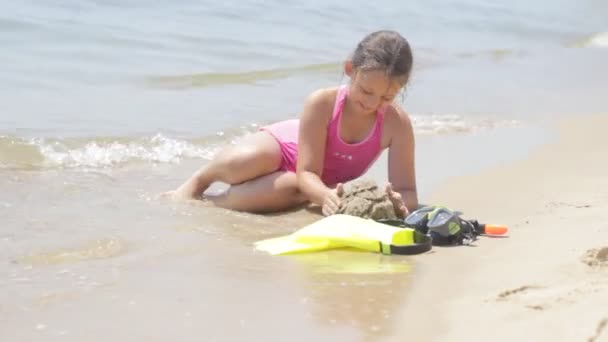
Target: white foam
(599,40)
(433,124)
(96,154)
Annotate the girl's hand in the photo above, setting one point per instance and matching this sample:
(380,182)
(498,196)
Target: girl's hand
(398,204)
(331,202)
(169,195)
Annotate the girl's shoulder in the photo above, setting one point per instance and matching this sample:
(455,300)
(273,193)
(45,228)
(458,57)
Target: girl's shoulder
(321,102)
(396,115)
(323,96)
(397,121)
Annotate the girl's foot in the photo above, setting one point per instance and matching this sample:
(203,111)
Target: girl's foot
(176,195)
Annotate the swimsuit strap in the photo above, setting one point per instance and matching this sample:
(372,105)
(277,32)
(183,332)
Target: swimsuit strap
(340,100)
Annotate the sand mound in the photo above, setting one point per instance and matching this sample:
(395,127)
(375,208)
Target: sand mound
(363,198)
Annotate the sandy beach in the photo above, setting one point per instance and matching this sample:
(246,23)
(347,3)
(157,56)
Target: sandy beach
(546,281)
(179,273)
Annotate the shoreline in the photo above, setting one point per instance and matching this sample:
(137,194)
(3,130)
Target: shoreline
(511,288)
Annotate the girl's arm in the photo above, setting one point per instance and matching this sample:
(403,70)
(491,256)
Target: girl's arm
(401,158)
(311,146)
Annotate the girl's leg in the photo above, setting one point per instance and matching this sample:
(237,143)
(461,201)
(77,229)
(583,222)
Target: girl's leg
(273,192)
(253,156)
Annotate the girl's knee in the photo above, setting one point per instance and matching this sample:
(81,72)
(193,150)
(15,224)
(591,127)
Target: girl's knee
(230,168)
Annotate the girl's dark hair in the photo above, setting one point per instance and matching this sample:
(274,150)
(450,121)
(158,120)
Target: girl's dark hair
(387,51)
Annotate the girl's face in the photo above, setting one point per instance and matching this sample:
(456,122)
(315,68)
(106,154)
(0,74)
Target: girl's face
(372,90)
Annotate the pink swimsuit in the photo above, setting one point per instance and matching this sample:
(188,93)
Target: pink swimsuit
(343,162)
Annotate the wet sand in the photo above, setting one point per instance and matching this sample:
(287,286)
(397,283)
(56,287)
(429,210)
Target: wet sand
(91,256)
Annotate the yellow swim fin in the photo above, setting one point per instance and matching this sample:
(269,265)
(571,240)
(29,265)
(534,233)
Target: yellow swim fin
(287,245)
(338,231)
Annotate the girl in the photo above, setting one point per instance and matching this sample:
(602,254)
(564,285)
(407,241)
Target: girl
(340,133)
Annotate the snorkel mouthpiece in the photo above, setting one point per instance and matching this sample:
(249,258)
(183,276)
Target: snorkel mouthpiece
(494,229)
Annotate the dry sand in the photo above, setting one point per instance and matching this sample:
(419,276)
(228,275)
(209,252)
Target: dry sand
(548,281)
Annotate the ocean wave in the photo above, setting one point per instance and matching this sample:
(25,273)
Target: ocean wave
(248,77)
(38,153)
(496,55)
(116,152)
(438,124)
(596,40)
